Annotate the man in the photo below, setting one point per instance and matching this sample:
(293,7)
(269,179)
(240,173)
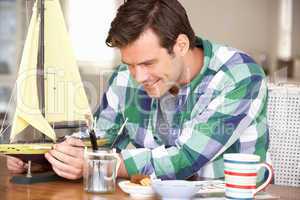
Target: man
(187,100)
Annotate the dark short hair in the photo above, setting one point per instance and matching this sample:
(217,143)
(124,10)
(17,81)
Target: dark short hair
(167,18)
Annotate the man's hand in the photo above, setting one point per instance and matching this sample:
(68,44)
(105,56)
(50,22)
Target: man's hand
(15,165)
(66,158)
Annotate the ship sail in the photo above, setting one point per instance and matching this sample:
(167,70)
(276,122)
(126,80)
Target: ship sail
(57,82)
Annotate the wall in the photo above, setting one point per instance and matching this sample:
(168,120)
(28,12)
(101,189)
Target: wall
(247,25)
(296,29)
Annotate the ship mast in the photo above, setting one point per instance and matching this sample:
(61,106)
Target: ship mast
(40,61)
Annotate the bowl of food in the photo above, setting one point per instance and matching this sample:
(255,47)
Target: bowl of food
(175,189)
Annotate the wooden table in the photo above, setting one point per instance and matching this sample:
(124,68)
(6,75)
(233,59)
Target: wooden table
(73,190)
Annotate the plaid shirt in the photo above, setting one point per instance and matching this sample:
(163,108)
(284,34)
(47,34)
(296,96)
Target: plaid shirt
(222,110)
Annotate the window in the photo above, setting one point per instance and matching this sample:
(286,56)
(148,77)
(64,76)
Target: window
(89,22)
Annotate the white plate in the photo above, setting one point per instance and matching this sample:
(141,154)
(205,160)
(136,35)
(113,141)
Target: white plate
(136,190)
(213,186)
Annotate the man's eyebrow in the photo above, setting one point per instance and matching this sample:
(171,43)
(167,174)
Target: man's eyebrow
(151,61)
(125,62)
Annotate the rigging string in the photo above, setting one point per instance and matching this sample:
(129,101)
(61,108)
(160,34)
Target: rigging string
(6,112)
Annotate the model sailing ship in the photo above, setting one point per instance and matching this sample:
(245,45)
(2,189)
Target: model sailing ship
(50,93)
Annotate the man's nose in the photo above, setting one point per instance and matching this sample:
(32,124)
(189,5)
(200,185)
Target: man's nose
(141,74)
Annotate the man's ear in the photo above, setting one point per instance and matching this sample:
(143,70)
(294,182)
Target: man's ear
(182,45)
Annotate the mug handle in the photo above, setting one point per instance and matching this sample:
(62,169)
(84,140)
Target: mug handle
(269,179)
(117,157)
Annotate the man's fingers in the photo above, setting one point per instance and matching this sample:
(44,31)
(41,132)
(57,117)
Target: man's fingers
(12,165)
(69,160)
(66,158)
(15,165)
(14,160)
(74,142)
(62,167)
(69,150)
(71,146)
(16,171)
(65,174)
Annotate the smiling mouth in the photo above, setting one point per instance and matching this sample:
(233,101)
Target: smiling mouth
(151,85)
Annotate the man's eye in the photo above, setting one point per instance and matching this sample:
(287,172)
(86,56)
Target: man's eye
(148,64)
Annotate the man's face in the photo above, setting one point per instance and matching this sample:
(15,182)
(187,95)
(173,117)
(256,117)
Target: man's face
(151,65)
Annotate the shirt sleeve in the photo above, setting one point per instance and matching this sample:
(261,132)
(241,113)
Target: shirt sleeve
(109,115)
(207,135)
